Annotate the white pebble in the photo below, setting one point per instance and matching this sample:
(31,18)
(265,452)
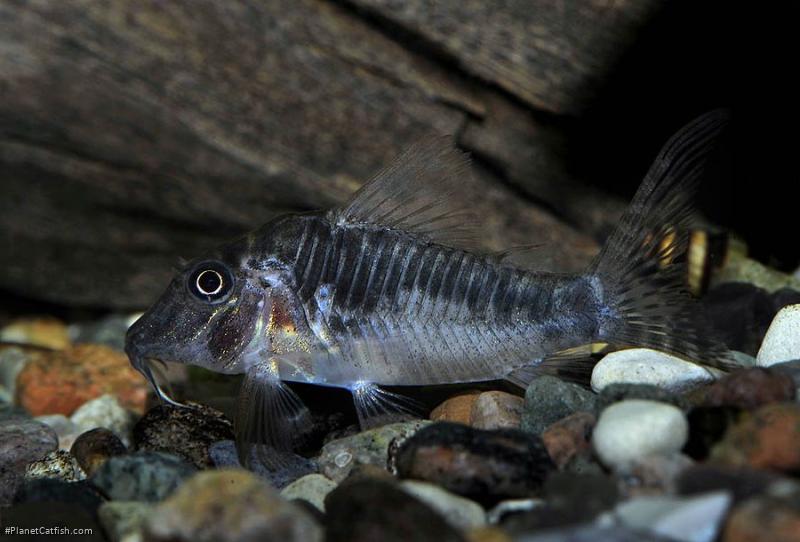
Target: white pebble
(105,411)
(461,513)
(645,366)
(685,519)
(312,488)
(782,341)
(630,430)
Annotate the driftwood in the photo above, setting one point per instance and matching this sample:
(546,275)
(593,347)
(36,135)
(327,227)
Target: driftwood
(134,133)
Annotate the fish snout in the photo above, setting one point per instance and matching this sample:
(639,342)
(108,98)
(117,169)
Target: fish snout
(135,342)
(138,349)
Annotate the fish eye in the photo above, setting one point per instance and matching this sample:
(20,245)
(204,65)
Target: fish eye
(210,282)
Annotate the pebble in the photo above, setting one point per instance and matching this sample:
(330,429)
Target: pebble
(594,533)
(645,366)
(496,410)
(457,409)
(66,430)
(782,341)
(141,476)
(93,448)
(483,410)
(774,517)
(630,430)
(59,465)
(741,482)
(569,437)
(12,360)
(106,412)
(223,454)
(44,332)
(59,382)
(584,464)
(695,519)
(614,393)
(338,457)
(461,513)
(580,496)
(123,521)
(768,439)
(742,269)
(747,389)
(312,488)
(655,474)
(185,432)
(51,490)
(486,466)
(511,507)
(369,510)
(22,440)
(6,397)
(549,399)
(791,369)
(229,505)
(542,518)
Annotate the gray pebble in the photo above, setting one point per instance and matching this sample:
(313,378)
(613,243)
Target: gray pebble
(370,447)
(312,488)
(549,399)
(141,476)
(123,520)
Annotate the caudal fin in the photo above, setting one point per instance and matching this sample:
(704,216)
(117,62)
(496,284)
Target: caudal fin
(640,268)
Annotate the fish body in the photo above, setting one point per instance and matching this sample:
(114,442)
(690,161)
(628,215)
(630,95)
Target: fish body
(398,310)
(384,291)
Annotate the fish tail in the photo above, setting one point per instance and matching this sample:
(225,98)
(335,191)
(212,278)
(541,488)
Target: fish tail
(639,270)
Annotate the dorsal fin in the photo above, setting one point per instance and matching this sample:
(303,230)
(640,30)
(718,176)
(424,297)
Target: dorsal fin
(419,192)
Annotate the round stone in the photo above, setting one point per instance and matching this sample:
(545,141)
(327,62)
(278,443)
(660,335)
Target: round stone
(229,505)
(631,430)
(782,341)
(645,366)
(142,476)
(312,488)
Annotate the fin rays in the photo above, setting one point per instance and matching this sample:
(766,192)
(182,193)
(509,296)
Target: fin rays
(376,406)
(270,417)
(416,193)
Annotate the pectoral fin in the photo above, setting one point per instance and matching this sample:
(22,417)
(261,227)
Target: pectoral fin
(270,417)
(376,406)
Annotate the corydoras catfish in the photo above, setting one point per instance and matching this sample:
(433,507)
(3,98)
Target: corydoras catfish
(377,293)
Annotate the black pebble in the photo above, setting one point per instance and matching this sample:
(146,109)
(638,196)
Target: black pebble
(486,466)
(371,510)
(185,432)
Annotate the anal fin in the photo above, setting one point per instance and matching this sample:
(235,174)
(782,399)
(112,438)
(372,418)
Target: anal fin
(271,419)
(573,365)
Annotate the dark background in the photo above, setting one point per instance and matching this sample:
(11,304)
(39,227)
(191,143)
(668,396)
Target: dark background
(693,57)
(106,182)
